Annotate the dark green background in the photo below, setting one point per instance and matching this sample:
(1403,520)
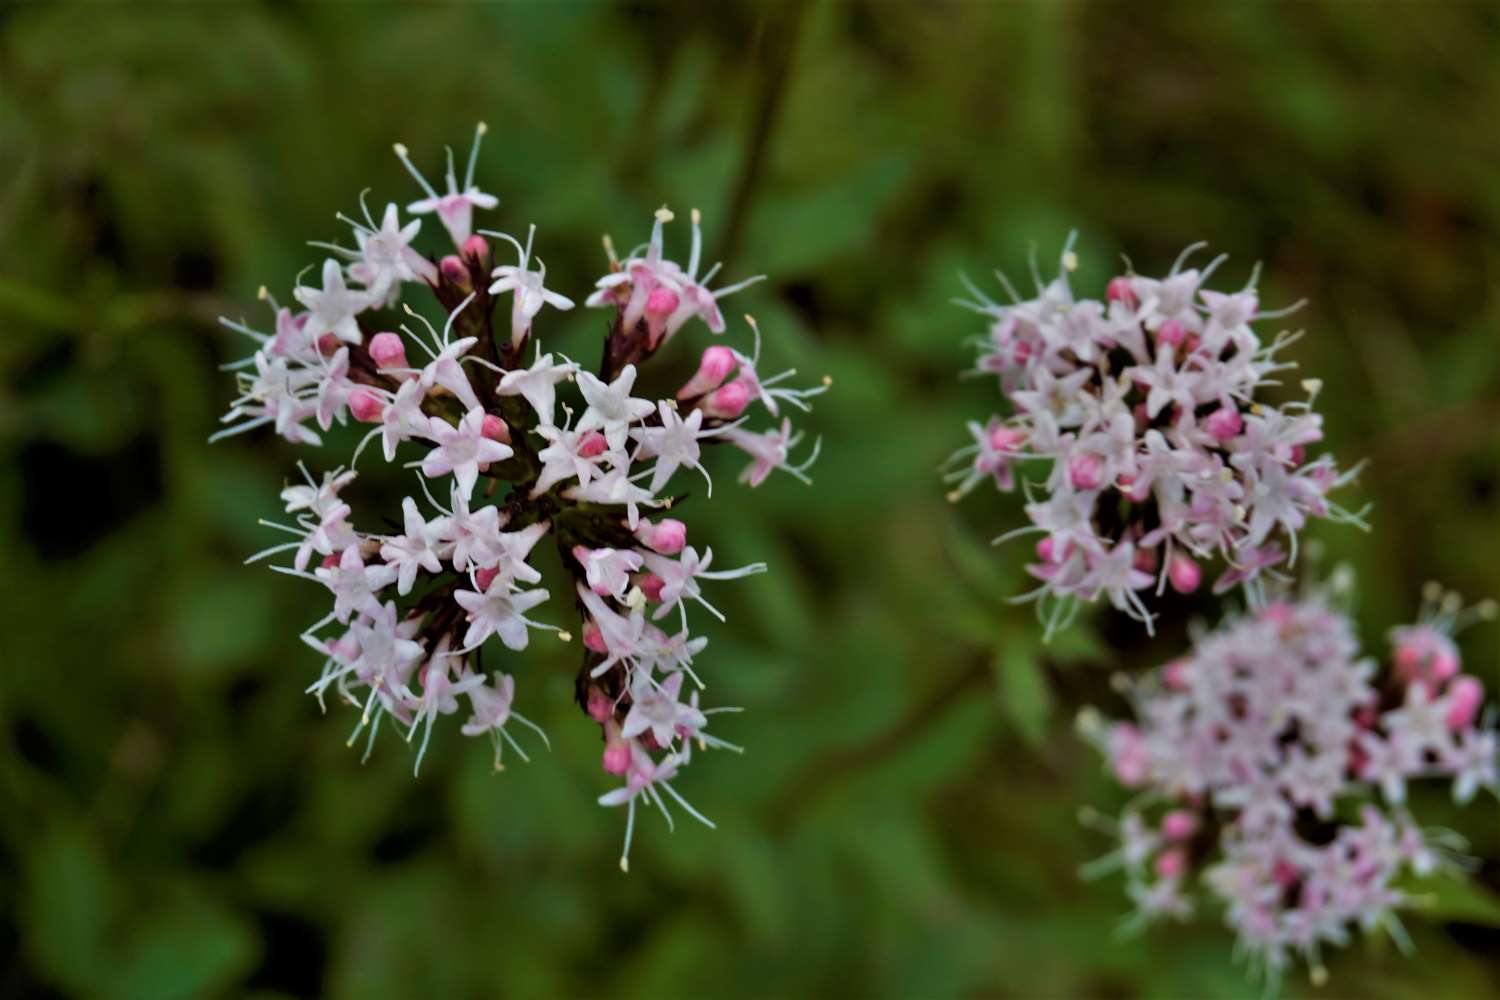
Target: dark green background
(177,819)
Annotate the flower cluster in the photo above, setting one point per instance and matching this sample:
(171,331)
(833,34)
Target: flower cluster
(1160,452)
(503,462)
(1272,763)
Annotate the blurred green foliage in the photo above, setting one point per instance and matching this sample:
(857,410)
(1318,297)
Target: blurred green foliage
(177,819)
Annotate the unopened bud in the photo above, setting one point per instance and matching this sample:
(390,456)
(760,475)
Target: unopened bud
(1119,290)
(1184,573)
(495,429)
(1224,423)
(388,351)
(718,361)
(592,444)
(728,401)
(366,406)
(455,271)
(475,248)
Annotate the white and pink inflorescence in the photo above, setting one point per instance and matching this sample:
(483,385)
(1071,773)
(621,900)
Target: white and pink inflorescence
(1139,429)
(510,446)
(1271,766)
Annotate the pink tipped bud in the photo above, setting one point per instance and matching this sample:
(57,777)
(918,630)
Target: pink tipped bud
(1184,573)
(617,758)
(328,345)
(455,271)
(1128,755)
(1119,290)
(475,248)
(1465,695)
(593,639)
(662,302)
(1224,423)
(600,708)
(1145,560)
(651,586)
(484,577)
(388,351)
(666,536)
(1171,863)
(718,361)
(1171,333)
(1179,824)
(729,401)
(494,428)
(366,406)
(1175,675)
(592,444)
(1299,454)
(1045,550)
(1004,438)
(1086,471)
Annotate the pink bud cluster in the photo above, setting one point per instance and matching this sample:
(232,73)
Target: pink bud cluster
(1155,450)
(504,459)
(1271,766)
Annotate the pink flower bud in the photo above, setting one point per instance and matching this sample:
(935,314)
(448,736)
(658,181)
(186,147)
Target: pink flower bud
(1119,290)
(1465,695)
(1171,863)
(651,585)
(366,406)
(666,536)
(1299,454)
(593,639)
(455,271)
(600,708)
(328,345)
(388,351)
(592,444)
(1184,573)
(1179,824)
(1171,332)
(1145,560)
(1224,423)
(1175,675)
(617,758)
(718,361)
(1004,438)
(475,248)
(494,428)
(1285,874)
(484,577)
(1045,550)
(729,401)
(1128,755)
(330,561)
(662,302)
(1086,471)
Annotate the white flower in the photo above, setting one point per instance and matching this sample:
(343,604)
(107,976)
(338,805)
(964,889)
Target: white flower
(499,611)
(332,308)
(386,258)
(611,408)
(654,708)
(674,444)
(538,385)
(454,207)
(462,450)
(528,288)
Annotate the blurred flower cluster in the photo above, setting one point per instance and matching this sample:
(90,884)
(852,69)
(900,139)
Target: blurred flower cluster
(1157,451)
(502,462)
(1272,764)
